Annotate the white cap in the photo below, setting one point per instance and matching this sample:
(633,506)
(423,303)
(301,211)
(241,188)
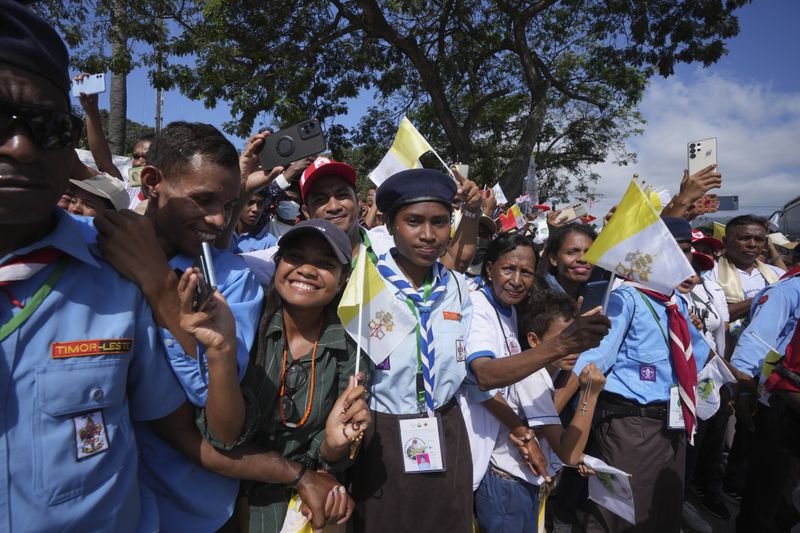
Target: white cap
(108,187)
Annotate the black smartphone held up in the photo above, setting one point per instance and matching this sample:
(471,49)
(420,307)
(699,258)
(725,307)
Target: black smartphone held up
(207,280)
(594,292)
(292,144)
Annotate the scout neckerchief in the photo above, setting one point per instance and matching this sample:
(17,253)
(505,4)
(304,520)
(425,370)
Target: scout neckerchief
(421,303)
(680,348)
(791,361)
(22,268)
(730,280)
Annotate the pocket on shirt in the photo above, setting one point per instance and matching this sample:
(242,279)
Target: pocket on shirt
(66,393)
(646,371)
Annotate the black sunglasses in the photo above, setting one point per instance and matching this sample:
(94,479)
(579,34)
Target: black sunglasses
(293,381)
(50,129)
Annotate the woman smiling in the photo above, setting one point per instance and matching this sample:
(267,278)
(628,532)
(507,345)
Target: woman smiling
(567,270)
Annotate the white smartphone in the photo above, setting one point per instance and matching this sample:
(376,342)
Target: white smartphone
(92,84)
(571,213)
(701,154)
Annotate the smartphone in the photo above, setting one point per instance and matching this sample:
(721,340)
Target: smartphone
(207,280)
(92,84)
(571,213)
(292,144)
(594,292)
(701,154)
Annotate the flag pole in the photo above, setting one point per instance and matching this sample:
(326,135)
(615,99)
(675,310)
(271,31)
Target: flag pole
(362,253)
(443,164)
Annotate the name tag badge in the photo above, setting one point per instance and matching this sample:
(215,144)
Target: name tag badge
(64,350)
(675,420)
(461,351)
(451,315)
(90,435)
(514,346)
(421,441)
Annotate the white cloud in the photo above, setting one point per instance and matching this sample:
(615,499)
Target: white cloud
(757,130)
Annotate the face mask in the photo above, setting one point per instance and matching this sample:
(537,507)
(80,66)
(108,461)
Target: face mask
(135,176)
(288,210)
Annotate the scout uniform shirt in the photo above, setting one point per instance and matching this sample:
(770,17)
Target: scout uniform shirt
(775,315)
(635,354)
(73,376)
(394,382)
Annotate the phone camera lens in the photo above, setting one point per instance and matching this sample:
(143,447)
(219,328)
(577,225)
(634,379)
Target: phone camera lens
(692,156)
(691,145)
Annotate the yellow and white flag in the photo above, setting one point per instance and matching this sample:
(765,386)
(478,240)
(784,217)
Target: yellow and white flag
(637,245)
(371,314)
(404,154)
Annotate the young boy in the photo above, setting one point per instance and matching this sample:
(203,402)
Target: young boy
(96,195)
(543,316)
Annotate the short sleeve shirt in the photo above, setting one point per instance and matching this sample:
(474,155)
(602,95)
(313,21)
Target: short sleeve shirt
(90,350)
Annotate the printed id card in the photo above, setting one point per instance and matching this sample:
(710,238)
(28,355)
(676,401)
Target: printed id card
(421,440)
(675,420)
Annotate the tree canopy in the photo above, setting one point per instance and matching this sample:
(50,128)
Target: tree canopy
(488,82)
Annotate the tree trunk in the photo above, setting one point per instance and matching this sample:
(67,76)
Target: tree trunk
(512,180)
(118,99)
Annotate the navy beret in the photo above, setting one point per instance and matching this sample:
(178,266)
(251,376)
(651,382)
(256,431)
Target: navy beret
(679,227)
(30,43)
(415,185)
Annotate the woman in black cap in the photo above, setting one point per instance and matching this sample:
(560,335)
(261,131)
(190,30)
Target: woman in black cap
(416,468)
(302,362)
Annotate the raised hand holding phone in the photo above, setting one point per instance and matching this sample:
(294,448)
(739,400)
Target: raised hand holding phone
(213,324)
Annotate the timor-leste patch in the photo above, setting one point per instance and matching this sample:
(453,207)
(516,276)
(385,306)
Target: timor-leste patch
(63,350)
(90,434)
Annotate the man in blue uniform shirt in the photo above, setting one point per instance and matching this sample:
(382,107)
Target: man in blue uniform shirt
(633,433)
(775,313)
(76,365)
(192,181)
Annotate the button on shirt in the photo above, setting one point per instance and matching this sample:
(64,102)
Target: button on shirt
(774,321)
(394,390)
(636,351)
(486,338)
(45,487)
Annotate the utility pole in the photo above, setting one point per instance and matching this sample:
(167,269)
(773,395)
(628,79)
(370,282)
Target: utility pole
(160,66)
(159,104)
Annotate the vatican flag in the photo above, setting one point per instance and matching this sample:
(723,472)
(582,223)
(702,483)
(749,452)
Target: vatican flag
(372,316)
(637,245)
(404,154)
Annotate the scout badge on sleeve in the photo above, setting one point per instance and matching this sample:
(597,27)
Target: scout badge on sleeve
(90,434)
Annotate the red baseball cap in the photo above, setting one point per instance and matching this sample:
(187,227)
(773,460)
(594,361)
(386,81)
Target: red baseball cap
(322,167)
(705,262)
(699,236)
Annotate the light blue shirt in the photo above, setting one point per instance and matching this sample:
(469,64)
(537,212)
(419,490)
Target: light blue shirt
(45,487)
(191,498)
(247,242)
(774,320)
(394,390)
(635,354)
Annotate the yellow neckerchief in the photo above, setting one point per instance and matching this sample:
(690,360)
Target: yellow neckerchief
(728,277)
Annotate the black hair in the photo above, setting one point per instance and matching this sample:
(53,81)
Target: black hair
(556,239)
(744,220)
(273,302)
(146,137)
(179,142)
(541,309)
(502,245)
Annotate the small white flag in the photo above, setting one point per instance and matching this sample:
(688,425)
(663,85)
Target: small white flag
(611,488)
(709,380)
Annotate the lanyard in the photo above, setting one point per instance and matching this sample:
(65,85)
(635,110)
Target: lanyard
(420,381)
(35,302)
(653,311)
(367,247)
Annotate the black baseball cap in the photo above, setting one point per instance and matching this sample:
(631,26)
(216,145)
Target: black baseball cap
(338,240)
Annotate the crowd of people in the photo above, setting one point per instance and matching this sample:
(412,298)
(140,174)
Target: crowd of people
(135,402)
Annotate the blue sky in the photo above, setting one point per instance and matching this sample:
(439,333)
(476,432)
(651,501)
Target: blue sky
(749,100)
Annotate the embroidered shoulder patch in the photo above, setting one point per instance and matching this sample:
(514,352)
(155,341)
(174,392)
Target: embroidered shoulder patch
(62,350)
(451,315)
